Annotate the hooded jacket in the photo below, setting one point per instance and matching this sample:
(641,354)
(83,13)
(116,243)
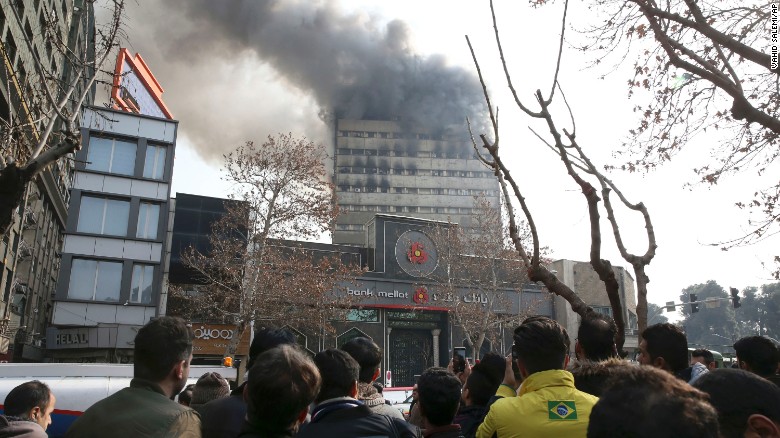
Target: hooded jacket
(548,406)
(374,400)
(15,427)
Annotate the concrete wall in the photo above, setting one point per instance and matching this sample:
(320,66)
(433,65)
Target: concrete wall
(583,280)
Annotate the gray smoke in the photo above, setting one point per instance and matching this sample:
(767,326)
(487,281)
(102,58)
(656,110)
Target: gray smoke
(349,65)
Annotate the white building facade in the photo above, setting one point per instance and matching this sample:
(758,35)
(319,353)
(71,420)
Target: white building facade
(111,280)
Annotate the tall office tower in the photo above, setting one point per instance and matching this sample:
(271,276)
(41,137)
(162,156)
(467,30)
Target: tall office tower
(383,167)
(29,252)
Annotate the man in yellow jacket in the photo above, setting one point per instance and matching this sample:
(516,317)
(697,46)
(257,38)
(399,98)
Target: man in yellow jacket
(548,404)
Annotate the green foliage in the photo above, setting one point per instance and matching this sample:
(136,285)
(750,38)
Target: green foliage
(655,314)
(714,325)
(760,311)
(718,327)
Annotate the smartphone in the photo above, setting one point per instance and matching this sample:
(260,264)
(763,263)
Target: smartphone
(459,359)
(515,369)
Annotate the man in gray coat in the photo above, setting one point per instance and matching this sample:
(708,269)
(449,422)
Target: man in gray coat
(369,356)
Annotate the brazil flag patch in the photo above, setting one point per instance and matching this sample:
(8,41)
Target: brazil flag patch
(561,410)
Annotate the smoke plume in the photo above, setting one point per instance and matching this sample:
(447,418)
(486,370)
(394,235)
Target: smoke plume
(334,64)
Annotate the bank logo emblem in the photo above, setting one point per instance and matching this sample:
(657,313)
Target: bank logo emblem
(562,410)
(420,295)
(417,253)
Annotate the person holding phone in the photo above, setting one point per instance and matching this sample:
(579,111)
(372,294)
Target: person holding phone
(548,404)
(459,365)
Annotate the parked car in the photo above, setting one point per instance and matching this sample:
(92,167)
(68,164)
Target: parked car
(405,406)
(400,397)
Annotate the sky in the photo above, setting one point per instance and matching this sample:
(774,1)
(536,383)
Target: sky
(255,68)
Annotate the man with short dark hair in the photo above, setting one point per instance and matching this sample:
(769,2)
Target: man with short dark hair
(369,356)
(758,355)
(747,405)
(439,392)
(338,413)
(224,418)
(665,346)
(480,385)
(548,405)
(591,377)
(704,357)
(283,381)
(28,409)
(596,338)
(162,355)
(646,402)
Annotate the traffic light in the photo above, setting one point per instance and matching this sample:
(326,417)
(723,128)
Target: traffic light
(735,298)
(227,361)
(694,306)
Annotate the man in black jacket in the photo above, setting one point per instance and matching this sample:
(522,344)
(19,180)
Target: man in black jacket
(224,418)
(368,356)
(758,355)
(480,386)
(282,383)
(338,412)
(439,400)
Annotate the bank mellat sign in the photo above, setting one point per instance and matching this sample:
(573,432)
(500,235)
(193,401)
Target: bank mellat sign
(215,338)
(135,88)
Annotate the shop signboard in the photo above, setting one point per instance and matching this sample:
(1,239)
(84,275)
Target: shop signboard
(213,339)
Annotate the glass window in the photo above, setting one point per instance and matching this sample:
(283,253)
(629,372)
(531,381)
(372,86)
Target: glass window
(148,217)
(111,155)
(363,315)
(95,280)
(154,165)
(141,289)
(103,216)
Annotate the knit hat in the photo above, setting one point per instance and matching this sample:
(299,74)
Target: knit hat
(210,386)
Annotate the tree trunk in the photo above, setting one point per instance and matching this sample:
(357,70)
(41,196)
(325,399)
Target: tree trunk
(641,300)
(238,332)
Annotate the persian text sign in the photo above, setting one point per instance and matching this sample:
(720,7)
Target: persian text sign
(215,338)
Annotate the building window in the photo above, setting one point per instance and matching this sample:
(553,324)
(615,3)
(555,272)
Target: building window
(111,155)
(154,165)
(604,310)
(363,315)
(103,216)
(148,218)
(141,288)
(95,280)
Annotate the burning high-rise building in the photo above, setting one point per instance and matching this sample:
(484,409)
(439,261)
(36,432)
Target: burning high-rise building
(384,167)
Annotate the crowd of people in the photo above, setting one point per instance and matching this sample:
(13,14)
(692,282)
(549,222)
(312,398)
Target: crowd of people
(537,391)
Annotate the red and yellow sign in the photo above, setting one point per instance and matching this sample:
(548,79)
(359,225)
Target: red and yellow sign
(417,254)
(420,295)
